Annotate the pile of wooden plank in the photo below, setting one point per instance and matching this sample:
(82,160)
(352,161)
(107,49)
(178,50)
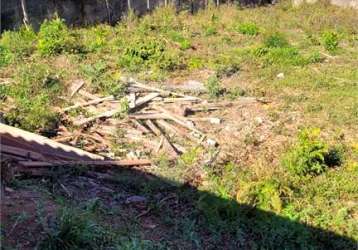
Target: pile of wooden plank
(159,120)
(32,154)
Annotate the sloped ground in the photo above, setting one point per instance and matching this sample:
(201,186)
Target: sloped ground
(301,61)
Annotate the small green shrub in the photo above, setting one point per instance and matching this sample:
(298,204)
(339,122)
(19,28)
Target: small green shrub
(285,56)
(102,79)
(142,53)
(213,86)
(330,40)
(276,40)
(55,38)
(210,30)
(5,56)
(310,155)
(265,194)
(20,43)
(183,42)
(73,231)
(35,93)
(96,38)
(195,63)
(250,29)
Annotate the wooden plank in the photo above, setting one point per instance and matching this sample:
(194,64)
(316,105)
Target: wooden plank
(119,163)
(148,116)
(91,102)
(106,114)
(77,86)
(153,127)
(139,126)
(164,92)
(27,154)
(145,99)
(44,145)
(180,120)
(166,143)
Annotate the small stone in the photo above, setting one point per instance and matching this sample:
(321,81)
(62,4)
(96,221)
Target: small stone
(281,75)
(136,199)
(258,120)
(215,120)
(211,142)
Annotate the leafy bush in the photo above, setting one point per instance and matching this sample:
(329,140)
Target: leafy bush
(265,194)
(250,29)
(310,155)
(20,43)
(102,79)
(226,65)
(213,86)
(183,42)
(276,40)
(95,38)
(285,56)
(54,38)
(142,53)
(73,230)
(34,93)
(330,41)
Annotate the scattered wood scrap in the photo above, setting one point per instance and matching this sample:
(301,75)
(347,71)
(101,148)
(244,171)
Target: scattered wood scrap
(158,120)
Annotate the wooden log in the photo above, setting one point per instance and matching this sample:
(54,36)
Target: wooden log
(92,102)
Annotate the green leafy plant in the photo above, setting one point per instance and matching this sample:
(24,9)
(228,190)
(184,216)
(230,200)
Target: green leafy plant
(54,38)
(21,43)
(213,86)
(35,93)
(310,155)
(183,42)
(5,56)
(250,29)
(102,79)
(276,40)
(330,40)
(148,52)
(264,194)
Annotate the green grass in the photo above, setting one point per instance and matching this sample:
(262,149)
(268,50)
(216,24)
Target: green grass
(315,46)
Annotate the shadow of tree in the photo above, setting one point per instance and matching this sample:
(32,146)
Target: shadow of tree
(212,222)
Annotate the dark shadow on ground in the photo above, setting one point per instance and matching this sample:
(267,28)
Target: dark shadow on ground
(172,216)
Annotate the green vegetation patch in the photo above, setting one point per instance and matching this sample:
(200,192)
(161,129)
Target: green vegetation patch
(35,94)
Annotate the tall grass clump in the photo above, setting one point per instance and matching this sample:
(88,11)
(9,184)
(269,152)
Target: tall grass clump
(72,230)
(330,41)
(250,29)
